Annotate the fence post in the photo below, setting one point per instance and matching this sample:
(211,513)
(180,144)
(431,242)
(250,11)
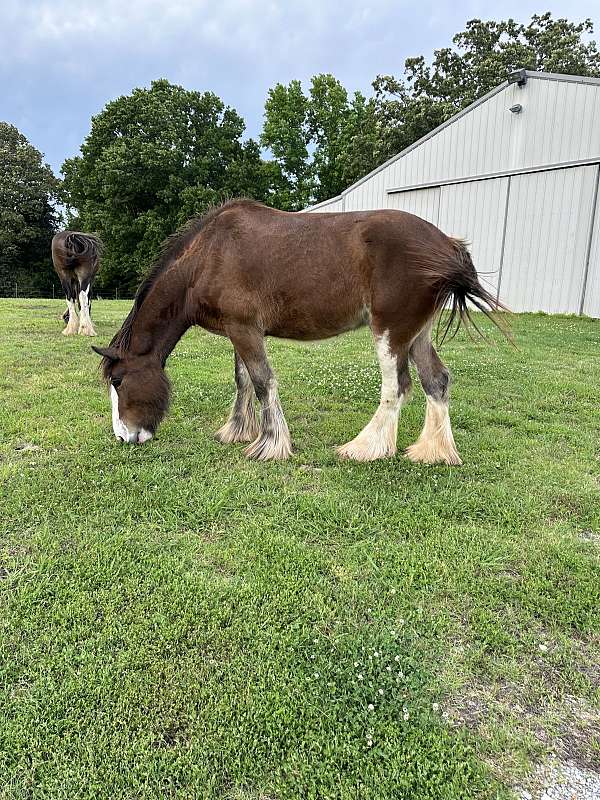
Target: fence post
(16,289)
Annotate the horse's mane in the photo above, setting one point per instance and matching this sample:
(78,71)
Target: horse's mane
(171,249)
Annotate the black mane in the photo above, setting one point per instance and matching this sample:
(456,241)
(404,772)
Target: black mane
(171,249)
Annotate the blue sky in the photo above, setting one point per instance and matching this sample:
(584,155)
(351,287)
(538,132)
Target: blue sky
(61,61)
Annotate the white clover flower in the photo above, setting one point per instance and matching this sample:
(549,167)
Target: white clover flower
(406,716)
(316,674)
(389,669)
(375,653)
(369,742)
(436,706)
(380,691)
(371,707)
(359,676)
(397,658)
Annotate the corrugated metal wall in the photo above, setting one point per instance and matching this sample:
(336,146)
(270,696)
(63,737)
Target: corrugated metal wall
(475,211)
(547,234)
(531,233)
(424,203)
(591,304)
(490,139)
(335,204)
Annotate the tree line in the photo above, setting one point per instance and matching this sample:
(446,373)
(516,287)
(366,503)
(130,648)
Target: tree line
(161,154)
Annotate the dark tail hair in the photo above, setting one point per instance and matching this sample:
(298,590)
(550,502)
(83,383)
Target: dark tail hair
(458,285)
(82,245)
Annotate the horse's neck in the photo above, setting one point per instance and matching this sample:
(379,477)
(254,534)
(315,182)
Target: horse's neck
(162,319)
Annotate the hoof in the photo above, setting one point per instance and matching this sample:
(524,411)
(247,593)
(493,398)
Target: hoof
(268,449)
(233,432)
(426,453)
(86,330)
(367,448)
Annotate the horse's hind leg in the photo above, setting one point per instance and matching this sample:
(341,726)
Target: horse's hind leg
(436,442)
(241,425)
(273,439)
(378,438)
(86,327)
(70,315)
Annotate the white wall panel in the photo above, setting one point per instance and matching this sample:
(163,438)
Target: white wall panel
(475,211)
(547,233)
(335,204)
(591,305)
(424,203)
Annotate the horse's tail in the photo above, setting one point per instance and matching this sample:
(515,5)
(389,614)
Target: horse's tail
(457,284)
(82,246)
(73,248)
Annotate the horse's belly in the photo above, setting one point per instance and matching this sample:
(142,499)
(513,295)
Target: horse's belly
(313,324)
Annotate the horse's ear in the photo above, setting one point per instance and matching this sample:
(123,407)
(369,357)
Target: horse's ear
(107,352)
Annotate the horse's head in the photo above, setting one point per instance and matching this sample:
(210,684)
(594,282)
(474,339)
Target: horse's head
(139,393)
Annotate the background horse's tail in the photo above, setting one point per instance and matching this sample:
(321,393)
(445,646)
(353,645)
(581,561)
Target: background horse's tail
(81,246)
(458,285)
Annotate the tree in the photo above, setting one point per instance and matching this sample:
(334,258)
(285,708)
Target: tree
(151,160)
(27,216)
(322,141)
(286,134)
(484,54)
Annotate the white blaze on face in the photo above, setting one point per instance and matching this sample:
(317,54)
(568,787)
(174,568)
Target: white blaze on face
(121,430)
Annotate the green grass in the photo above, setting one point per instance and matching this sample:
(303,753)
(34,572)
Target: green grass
(179,622)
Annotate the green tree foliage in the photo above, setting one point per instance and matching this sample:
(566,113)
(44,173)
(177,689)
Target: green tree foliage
(153,159)
(27,216)
(482,57)
(324,140)
(321,141)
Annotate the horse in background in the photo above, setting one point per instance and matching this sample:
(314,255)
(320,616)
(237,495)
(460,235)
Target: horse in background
(76,259)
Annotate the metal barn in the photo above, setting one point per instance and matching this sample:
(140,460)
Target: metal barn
(516,174)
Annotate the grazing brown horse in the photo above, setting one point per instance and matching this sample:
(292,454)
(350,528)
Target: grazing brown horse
(246,271)
(76,259)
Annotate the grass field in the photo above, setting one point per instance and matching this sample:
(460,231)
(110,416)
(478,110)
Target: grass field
(179,622)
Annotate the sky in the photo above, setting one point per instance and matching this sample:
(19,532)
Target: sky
(61,61)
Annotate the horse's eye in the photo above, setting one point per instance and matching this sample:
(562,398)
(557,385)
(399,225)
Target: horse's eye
(116,382)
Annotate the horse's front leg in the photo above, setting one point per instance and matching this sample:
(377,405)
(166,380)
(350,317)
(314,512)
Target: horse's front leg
(273,439)
(241,425)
